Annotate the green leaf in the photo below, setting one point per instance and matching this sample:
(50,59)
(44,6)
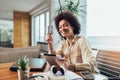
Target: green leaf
(71,6)
(22,63)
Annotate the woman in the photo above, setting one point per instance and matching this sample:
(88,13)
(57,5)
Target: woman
(75,49)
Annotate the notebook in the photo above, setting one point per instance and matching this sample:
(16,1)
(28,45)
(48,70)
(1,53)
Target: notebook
(69,76)
(36,64)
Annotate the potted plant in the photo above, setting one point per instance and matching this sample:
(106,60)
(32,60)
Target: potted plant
(70,5)
(23,68)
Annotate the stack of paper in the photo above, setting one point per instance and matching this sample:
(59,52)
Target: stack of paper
(69,76)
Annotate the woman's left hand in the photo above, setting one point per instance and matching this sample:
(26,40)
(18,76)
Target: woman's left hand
(62,63)
(66,64)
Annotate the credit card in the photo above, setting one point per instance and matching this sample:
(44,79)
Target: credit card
(50,29)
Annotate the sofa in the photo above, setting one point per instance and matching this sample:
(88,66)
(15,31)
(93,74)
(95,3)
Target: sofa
(12,54)
(108,63)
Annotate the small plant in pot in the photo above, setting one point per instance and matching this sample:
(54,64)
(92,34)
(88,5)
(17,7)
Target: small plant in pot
(23,68)
(23,63)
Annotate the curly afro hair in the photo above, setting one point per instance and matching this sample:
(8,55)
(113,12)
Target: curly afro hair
(71,19)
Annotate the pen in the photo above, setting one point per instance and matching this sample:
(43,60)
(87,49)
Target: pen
(36,76)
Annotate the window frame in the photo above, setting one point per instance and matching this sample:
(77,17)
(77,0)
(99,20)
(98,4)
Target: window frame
(34,41)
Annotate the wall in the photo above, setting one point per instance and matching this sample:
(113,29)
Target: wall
(22,29)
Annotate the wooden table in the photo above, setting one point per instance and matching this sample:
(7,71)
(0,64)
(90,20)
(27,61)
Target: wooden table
(6,74)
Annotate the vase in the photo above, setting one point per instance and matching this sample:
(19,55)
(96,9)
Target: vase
(23,75)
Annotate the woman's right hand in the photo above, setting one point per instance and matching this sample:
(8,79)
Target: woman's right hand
(49,39)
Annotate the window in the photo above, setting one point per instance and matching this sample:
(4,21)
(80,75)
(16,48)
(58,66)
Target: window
(103,18)
(6,32)
(41,23)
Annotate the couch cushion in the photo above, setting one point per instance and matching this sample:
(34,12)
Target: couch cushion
(2,49)
(12,54)
(23,48)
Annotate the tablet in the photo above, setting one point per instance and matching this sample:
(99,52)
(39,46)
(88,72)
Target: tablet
(50,58)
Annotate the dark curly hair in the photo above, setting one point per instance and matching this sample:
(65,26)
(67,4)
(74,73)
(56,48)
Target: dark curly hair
(71,19)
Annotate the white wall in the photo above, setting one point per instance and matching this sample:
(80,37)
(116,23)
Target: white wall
(103,24)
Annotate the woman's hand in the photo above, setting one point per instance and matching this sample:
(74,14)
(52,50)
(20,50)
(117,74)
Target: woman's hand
(62,63)
(48,38)
(66,64)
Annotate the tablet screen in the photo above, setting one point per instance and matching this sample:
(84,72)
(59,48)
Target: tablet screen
(50,58)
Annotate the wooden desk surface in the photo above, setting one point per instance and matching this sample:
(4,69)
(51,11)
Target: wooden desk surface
(6,74)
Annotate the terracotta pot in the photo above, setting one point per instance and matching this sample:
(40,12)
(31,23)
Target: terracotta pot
(23,75)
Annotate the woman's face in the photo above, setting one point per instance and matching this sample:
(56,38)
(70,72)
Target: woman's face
(65,29)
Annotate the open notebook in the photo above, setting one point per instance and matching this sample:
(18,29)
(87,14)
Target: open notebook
(47,75)
(36,64)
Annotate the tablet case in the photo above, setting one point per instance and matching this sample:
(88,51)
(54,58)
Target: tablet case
(50,58)
(36,64)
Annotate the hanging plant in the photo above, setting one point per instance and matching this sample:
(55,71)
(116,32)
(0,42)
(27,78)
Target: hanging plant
(72,6)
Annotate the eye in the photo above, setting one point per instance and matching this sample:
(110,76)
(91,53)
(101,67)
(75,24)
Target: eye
(65,25)
(60,27)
